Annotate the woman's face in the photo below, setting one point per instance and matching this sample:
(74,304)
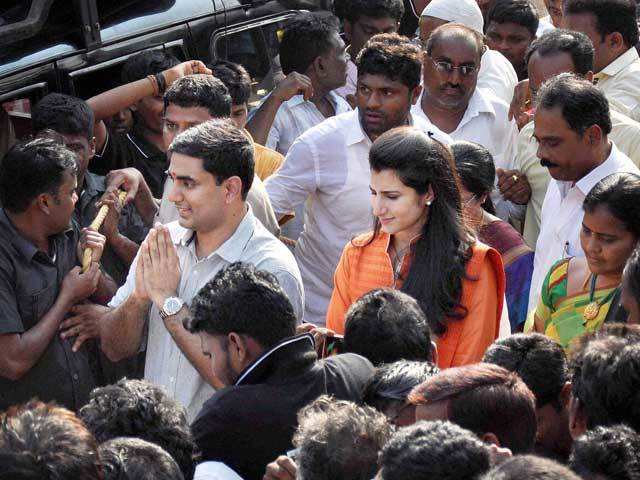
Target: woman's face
(629,302)
(606,242)
(400,209)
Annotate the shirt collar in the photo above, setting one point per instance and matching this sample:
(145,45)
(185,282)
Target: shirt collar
(586,183)
(478,104)
(231,250)
(299,100)
(354,132)
(254,373)
(619,64)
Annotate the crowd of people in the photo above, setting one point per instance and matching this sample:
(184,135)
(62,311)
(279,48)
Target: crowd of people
(416,258)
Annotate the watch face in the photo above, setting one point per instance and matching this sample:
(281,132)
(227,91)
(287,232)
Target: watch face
(172,306)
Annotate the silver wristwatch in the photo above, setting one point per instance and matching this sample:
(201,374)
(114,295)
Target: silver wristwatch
(171,306)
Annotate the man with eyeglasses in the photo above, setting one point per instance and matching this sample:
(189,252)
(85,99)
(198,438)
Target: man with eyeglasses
(451,102)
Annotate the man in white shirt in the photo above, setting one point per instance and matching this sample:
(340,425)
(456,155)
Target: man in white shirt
(611,26)
(362,20)
(313,57)
(452,103)
(212,169)
(554,53)
(329,164)
(496,72)
(572,126)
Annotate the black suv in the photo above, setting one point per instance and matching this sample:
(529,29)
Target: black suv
(79,46)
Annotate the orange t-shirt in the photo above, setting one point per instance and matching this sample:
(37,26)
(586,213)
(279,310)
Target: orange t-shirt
(363,268)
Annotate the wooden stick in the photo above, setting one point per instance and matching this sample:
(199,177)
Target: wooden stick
(95,225)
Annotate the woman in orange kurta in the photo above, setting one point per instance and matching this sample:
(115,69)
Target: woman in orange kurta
(420,245)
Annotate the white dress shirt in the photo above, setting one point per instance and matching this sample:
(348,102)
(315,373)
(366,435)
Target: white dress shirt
(349,88)
(486,122)
(165,364)
(296,116)
(620,82)
(497,75)
(329,164)
(562,215)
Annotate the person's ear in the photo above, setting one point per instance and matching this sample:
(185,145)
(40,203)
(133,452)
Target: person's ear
(577,418)
(238,351)
(594,135)
(415,94)
(429,197)
(44,201)
(490,439)
(233,189)
(615,41)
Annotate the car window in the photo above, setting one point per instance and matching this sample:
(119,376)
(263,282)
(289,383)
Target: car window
(256,48)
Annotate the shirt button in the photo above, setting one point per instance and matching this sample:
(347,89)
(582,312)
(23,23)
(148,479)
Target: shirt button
(75,376)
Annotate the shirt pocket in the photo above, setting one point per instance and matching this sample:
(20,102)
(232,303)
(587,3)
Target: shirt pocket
(33,305)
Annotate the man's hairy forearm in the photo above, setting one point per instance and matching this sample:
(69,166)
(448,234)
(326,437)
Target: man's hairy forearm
(121,328)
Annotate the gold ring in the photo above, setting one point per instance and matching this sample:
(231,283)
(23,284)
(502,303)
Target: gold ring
(515,178)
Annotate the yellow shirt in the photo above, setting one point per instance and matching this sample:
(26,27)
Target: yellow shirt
(620,82)
(625,134)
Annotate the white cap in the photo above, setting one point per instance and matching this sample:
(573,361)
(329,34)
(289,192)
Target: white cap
(465,12)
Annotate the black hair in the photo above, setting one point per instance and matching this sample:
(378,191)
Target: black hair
(619,193)
(582,104)
(520,12)
(308,36)
(576,44)
(632,273)
(531,468)
(236,78)
(476,170)
(394,381)
(127,458)
(392,56)
(354,9)
(607,452)
(137,408)
(200,90)
(32,168)
(609,16)
(64,114)
(146,63)
(605,376)
(441,253)
(43,441)
(233,300)
(225,150)
(454,30)
(434,450)
(537,359)
(386,325)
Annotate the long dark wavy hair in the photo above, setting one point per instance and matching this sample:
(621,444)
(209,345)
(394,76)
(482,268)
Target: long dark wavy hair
(441,253)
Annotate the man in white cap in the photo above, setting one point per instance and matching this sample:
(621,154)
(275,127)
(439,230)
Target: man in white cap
(496,72)
(452,101)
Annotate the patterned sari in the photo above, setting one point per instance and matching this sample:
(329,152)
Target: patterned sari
(517,258)
(562,315)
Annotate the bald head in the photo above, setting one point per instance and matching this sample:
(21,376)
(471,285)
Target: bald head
(454,32)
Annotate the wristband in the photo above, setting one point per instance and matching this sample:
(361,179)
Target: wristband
(154,85)
(161,81)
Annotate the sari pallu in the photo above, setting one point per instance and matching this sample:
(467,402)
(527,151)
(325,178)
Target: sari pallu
(563,315)
(517,259)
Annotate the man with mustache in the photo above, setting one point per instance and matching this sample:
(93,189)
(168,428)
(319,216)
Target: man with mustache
(329,164)
(572,124)
(451,101)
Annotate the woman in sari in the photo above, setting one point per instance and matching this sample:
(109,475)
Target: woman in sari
(420,245)
(477,177)
(577,293)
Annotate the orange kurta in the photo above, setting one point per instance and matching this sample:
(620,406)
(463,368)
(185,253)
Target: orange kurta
(365,268)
